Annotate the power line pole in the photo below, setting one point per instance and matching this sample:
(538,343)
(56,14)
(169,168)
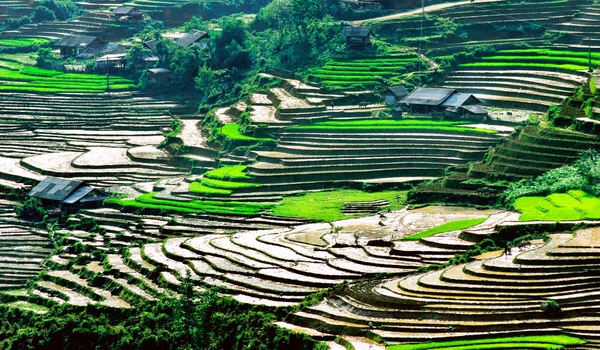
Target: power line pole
(590,56)
(421,38)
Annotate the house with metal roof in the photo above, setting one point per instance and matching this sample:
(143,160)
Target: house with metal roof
(68,195)
(75,45)
(194,37)
(447,101)
(357,38)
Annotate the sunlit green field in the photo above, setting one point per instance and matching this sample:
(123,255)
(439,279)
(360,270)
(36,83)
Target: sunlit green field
(573,205)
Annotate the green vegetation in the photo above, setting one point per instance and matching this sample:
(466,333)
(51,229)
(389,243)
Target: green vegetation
(219,181)
(369,71)
(193,322)
(23,42)
(573,205)
(583,174)
(31,210)
(405,124)
(19,77)
(147,201)
(447,227)
(233,172)
(523,342)
(231,131)
(327,206)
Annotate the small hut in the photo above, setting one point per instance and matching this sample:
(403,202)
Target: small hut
(194,37)
(67,195)
(395,94)
(127,13)
(357,38)
(75,45)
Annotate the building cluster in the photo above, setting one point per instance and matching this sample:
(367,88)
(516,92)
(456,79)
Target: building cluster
(113,55)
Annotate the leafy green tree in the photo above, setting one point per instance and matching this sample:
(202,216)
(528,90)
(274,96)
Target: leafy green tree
(31,210)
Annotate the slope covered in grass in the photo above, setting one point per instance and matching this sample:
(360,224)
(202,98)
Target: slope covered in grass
(573,205)
(447,227)
(327,206)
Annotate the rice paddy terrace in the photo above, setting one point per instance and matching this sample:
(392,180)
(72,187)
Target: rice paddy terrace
(489,297)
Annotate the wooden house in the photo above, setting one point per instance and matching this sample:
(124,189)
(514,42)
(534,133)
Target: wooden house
(127,13)
(67,195)
(395,94)
(76,45)
(444,101)
(357,38)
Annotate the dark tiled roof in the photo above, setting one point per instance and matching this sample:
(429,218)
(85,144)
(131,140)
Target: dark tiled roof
(458,99)
(151,45)
(191,37)
(75,40)
(356,31)
(475,109)
(399,90)
(55,189)
(125,10)
(428,96)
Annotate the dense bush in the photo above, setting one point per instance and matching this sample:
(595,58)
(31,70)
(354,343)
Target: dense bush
(584,175)
(31,210)
(194,321)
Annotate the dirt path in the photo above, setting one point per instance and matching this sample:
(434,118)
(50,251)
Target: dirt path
(431,8)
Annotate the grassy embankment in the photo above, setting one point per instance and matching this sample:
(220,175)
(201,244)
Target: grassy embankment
(524,342)
(447,227)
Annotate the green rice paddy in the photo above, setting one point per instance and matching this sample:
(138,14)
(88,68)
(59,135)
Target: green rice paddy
(447,227)
(23,42)
(523,342)
(232,132)
(327,206)
(538,59)
(228,172)
(19,77)
(148,201)
(367,72)
(389,124)
(573,205)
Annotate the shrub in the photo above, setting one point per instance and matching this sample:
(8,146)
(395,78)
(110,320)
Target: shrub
(31,210)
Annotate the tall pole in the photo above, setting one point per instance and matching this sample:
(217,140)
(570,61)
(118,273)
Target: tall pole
(590,56)
(107,76)
(421,38)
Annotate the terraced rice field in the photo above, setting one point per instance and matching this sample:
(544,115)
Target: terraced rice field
(22,249)
(265,265)
(494,297)
(573,205)
(528,78)
(16,77)
(525,342)
(369,71)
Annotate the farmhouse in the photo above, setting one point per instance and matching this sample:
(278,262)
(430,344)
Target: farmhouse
(111,61)
(76,45)
(441,100)
(66,195)
(194,37)
(126,13)
(357,38)
(395,94)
